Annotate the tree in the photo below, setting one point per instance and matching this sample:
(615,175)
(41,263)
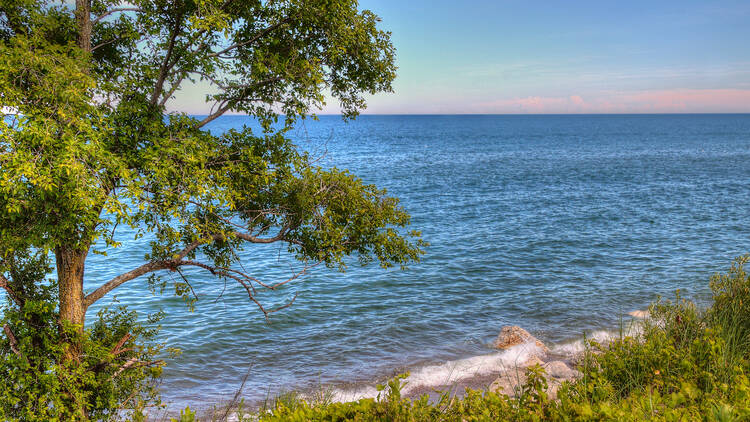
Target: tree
(87,145)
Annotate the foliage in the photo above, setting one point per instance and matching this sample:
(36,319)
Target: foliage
(40,386)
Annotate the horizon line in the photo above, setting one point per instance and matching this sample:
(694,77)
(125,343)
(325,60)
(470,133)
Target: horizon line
(514,114)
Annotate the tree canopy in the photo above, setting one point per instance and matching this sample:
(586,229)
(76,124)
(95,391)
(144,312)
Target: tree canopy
(90,141)
(91,147)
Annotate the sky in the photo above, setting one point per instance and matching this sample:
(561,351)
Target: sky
(526,56)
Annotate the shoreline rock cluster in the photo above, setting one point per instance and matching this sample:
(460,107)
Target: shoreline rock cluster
(510,380)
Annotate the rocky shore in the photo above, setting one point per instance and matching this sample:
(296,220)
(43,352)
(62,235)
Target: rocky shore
(505,370)
(556,369)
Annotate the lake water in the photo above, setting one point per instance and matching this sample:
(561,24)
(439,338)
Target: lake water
(559,224)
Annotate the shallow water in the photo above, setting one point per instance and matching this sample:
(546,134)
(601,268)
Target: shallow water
(559,224)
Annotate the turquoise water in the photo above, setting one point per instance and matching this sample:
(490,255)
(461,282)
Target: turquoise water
(559,224)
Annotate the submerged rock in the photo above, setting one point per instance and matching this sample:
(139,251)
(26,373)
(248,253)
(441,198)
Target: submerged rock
(513,335)
(639,314)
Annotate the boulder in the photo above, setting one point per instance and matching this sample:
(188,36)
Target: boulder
(508,383)
(556,373)
(559,370)
(534,360)
(514,335)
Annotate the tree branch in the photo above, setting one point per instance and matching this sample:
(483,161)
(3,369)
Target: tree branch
(135,362)
(166,66)
(124,278)
(113,11)
(103,43)
(228,103)
(253,239)
(257,36)
(5,284)
(12,340)
(116,350)
(171,264)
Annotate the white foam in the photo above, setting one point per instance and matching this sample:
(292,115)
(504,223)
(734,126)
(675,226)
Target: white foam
(458,370)
(450,372)
(634,328)
(577,346)
(343,396)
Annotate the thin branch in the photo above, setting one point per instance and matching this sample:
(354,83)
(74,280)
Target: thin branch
(113,11)
(134,362)
(295,276)
(244,279)
(187,282)
(102,44)
(228,103)
(282,307)
(236,395)
(172,90)
(258,36)
(5,284)
(166,66)
(116,350)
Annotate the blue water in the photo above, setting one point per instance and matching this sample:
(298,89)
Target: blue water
(559,224)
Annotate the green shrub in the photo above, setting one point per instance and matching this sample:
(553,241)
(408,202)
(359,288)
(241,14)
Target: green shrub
(114,378)
(730,313)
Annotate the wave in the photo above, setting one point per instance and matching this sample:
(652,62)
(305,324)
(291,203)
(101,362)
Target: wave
(453,372)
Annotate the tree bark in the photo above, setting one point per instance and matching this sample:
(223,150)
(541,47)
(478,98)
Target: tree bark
(70,267)
(83,22)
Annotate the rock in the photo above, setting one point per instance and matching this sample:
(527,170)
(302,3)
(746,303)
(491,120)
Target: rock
(639,314)
(509,383)
(552,388)
(534,360)
(559,370)
(556,373)
(514,335)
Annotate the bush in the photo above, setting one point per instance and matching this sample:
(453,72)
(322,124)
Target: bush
(115,376)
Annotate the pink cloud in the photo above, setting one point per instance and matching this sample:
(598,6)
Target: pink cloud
(535,104)
(658,101)
(693,100)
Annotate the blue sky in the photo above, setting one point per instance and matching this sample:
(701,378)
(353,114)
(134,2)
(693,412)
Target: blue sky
(524,56)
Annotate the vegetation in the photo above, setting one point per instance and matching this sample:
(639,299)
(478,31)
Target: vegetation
(88,146)
(686,364)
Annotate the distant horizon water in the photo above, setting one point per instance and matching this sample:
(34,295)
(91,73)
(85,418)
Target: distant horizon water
(516,114)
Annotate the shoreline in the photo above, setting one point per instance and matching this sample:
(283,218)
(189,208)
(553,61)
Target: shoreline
(501,368)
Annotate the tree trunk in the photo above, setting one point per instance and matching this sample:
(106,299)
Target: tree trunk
(70,266)
(83,22)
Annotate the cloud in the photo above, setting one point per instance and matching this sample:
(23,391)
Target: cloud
(691,100)
(535,104)
(655,101)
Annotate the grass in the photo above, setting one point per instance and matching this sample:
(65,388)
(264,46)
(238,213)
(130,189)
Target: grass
(685,364)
